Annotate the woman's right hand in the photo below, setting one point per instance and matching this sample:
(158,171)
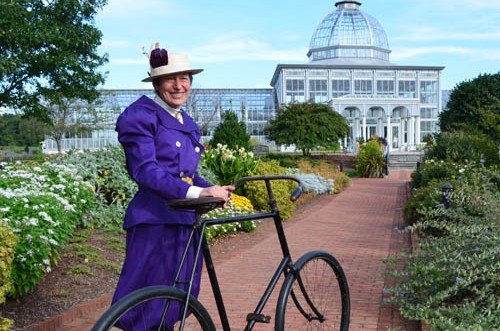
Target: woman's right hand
(218,191)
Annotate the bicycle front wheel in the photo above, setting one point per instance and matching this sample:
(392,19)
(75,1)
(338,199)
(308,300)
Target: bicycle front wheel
(155,308)
(315,296)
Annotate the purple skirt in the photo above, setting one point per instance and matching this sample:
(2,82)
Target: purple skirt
(153,255)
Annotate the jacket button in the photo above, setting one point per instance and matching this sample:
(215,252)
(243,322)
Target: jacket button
(178,143)
(197,149)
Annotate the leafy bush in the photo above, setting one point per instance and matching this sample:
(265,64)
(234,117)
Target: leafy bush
(453,279)
(257,193)
(285,160)
(105,170)
(370,161)
(326,170)
(42,205)
(8,242)
(226,164)
(315,183)
(457,146)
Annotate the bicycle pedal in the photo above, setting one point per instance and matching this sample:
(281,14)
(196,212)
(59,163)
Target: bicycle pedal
(259,318)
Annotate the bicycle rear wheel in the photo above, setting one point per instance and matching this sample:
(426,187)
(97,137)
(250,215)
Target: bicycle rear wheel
(315,297)
(155,308)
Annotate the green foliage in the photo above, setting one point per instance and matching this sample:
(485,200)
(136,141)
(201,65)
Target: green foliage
(42,205)
(452,280)
(51,53)
(307,126)
(430,170)
(19,131)
(232,133)
(474,105)
(8,241)
(257,193)
(460,146)
(285,160)
(105,171)
(370,161)
(226,164)
(5,324)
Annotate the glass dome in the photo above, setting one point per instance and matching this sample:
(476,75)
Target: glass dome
(349,36)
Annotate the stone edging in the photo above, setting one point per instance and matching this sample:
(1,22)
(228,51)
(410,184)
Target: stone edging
(78,310)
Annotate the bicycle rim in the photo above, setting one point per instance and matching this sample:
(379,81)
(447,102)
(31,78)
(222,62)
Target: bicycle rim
(316,297)
(155,308)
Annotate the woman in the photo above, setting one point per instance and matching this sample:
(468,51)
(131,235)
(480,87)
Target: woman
(162,150)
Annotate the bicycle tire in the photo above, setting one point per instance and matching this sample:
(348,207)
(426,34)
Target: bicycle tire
(318,279)
(139,300)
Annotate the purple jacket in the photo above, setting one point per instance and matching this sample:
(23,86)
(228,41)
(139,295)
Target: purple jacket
(159,152)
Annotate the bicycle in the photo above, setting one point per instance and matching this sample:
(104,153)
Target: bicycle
(313,295)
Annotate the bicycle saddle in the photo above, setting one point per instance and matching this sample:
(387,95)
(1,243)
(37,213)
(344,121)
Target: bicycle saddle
(200,205)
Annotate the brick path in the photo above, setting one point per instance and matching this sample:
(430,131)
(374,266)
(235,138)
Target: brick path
(356,226)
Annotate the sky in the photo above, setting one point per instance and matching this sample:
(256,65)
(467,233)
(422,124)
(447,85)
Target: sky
(240,43)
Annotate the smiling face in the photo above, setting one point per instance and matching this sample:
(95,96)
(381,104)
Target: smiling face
(174,89)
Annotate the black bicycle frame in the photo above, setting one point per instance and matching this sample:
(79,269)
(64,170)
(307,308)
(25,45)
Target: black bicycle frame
(283,268)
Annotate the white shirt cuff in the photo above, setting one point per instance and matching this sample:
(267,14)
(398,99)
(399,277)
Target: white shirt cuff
(194,192)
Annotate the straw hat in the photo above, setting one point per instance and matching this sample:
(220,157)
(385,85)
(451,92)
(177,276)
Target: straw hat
(162,63)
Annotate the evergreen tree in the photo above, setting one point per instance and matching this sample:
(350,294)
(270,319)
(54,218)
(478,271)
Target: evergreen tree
(231,132)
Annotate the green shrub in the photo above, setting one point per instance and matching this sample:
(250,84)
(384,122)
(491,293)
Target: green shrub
(285,160)
(42,205)
(370,161)
(8,241)
(105,170)
(226,164)
(457,146)
(257,193)
(452,280)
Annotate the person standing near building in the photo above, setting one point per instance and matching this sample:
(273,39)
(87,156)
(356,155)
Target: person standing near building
(162,150)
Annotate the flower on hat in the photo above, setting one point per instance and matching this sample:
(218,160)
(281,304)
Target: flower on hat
(157,57)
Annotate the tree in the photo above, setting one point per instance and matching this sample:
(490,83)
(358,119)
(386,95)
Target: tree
(77,117)
(232,133)
(21,131)
(48,52)
(307,126)
(474,106)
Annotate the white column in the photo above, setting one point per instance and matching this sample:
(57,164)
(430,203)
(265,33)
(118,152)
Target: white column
(389,132)
(356,129)
(364,127)
(411,131)
(417,130)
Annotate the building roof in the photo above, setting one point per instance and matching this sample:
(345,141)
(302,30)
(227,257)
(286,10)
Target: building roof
(350,66)
(349,32)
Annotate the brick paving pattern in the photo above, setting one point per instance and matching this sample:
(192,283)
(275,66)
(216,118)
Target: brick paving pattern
(356,226)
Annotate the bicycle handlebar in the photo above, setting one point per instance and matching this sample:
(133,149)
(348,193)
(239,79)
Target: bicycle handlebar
(268,178)
(204,204)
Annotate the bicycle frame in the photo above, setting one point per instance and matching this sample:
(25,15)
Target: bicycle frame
(283,268)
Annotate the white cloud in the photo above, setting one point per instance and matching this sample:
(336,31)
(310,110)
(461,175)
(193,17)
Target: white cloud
(438,34)
(405,53)
(134,9)
(241,46)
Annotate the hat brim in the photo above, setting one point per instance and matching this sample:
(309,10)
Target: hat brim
(191,71)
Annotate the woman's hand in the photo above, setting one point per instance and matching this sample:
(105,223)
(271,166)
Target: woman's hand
(218,191)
